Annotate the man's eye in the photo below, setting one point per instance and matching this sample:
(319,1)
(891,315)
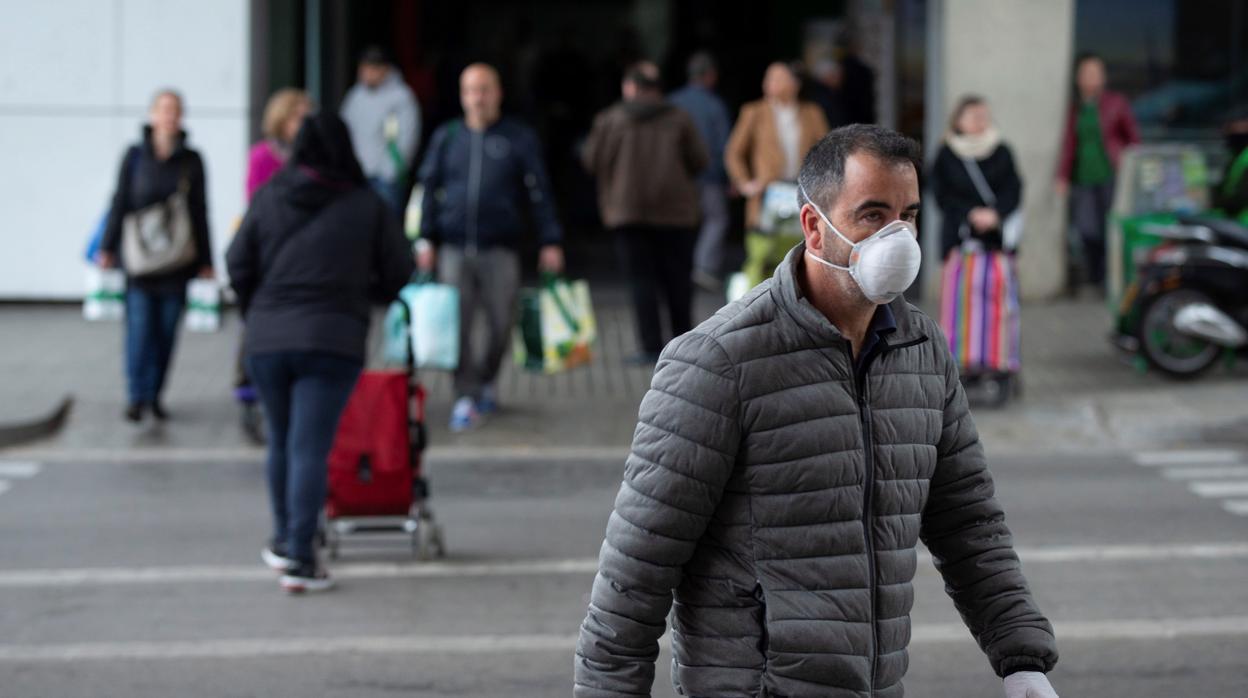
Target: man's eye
(910,217)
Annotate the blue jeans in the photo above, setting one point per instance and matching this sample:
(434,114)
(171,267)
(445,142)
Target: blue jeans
(151,331)
(304,394)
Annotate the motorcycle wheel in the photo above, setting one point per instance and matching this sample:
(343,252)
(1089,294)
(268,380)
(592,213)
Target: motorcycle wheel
(1164,347)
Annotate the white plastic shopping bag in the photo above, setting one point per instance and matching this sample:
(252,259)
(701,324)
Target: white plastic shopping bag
(105,297)
(434,315)
(203,305)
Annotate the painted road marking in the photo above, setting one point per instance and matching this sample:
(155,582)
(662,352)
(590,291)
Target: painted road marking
(1210,457)
(1201,473)
(454,454)
(1233,488)
(19,469)
(933,633)
(1239,507)
(81,577)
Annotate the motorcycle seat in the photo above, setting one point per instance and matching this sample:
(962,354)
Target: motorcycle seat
(1228,232)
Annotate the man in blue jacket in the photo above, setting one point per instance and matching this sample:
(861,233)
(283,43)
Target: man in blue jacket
(709,114)
(485,184)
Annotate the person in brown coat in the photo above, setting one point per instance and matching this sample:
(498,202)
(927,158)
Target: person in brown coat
(767,145)
(646,155)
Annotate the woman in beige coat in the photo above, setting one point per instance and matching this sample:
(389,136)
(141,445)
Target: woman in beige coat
(768,143)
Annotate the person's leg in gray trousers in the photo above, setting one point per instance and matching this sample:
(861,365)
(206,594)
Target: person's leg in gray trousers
(708,257)
(488,279)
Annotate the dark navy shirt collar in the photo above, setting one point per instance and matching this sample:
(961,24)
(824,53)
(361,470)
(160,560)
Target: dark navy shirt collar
(883,322)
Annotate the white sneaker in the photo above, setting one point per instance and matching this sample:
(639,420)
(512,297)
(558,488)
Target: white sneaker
(275,560)
(306,577)
(464,416)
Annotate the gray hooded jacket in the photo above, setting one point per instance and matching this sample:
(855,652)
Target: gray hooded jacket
(773,505)
(366,111)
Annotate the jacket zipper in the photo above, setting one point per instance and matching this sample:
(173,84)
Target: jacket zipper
(474,187)
(868,484)
(863,397)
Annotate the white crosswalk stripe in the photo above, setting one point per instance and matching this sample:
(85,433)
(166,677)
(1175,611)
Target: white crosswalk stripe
(1209,457)
(1236,506)
(19,469)
(16,470)
(1202,473)
(1234,488)
(1212,474)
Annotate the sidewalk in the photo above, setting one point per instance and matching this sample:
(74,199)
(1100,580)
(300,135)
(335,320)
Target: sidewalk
(1079,396)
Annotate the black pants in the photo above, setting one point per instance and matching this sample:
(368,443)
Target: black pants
(659,262)
(1089,209)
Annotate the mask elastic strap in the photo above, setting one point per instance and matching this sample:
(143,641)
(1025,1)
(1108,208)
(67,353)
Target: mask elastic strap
(831,227)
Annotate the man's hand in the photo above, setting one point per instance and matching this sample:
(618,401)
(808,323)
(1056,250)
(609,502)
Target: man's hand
(426,256)
(1028,684)
(551,259)
(106,260)
(751,188)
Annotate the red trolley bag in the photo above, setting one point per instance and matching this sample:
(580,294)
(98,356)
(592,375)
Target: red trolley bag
(376,485)
(370,464)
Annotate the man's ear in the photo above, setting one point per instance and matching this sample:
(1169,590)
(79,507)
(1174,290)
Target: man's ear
(810,220)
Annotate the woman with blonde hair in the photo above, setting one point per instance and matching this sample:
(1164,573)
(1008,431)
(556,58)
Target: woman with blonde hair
(283,114)
(976,185)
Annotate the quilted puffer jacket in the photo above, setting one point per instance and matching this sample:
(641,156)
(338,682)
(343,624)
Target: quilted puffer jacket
(773,505)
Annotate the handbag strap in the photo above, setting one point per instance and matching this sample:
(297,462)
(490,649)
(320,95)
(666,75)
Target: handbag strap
(981,184)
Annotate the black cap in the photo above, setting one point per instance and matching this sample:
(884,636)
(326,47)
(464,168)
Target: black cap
(374,55)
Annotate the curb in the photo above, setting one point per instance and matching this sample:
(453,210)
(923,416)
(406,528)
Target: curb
(17,433)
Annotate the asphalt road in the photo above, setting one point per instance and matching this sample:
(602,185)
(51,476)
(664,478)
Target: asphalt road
(142,579)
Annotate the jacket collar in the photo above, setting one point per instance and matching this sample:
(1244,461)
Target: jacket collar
(786,291)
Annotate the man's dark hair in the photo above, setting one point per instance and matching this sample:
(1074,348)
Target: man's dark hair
(700,64)
(644,75)
(823,170)
(1087,56)
(374,55)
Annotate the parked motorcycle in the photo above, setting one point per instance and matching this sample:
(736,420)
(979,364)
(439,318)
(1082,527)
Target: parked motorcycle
(1188,305)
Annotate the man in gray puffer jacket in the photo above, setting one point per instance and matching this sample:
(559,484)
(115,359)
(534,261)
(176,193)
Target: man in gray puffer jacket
(790,454)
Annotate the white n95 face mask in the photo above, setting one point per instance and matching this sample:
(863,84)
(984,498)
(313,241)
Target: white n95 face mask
(884,264)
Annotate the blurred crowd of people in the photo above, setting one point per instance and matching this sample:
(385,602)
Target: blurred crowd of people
(322,240)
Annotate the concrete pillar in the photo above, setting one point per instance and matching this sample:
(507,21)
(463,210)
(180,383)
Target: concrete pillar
(1017,54)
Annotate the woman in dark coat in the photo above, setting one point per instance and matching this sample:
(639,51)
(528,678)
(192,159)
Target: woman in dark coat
(316,249)
(151,172)
(965,214)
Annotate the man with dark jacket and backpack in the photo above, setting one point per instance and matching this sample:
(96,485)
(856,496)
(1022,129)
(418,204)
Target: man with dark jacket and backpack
(646,155)
(790,454)
(485,183)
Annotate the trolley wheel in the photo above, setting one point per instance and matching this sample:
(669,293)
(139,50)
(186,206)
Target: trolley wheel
(427,541)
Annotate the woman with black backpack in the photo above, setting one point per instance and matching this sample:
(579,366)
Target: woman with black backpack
(157,231)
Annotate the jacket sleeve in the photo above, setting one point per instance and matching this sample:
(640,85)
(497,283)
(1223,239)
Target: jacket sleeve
(393,264)
(964,528)
(737,152)
(1009,186)
(537,184)
(955,202)
(683,452)
(408,113)
(430,176)
(1066,161)
(198,200)
(695,155)
(242,259)
(111,240)
(1126,123)
(593,150)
